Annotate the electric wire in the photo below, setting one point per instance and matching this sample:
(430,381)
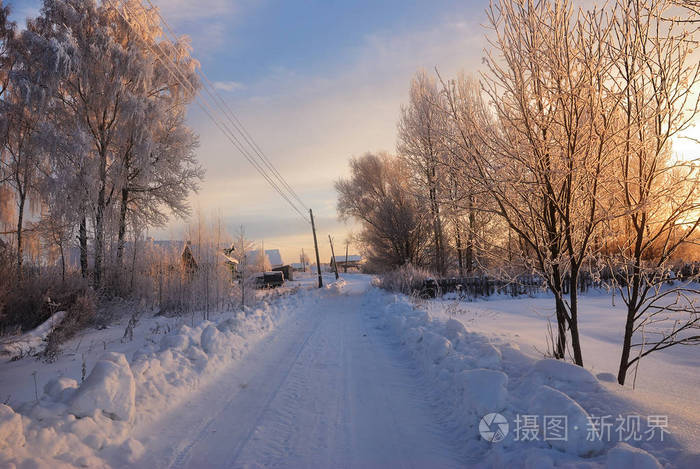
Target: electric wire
(206,107)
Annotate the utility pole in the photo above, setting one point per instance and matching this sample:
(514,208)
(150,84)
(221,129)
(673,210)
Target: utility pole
(335,263)
(345,268)
(303,260)
(318,260)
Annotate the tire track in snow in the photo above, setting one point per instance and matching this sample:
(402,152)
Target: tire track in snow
(181,457)
(272,397)
(326,390)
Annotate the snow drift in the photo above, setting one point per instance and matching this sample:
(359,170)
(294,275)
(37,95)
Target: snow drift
(473,375)
(88,425)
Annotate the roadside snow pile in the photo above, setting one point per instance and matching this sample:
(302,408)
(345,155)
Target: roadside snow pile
(110,389)
(32,341)
(473,376)
(88,425)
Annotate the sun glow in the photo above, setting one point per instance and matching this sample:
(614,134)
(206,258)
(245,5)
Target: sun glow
(686,145)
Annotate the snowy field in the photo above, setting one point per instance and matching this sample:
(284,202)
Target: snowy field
(350,376)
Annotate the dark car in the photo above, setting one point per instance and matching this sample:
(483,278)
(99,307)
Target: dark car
(269,280)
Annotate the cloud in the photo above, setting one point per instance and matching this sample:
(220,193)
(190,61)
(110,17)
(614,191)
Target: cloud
(310,123)
(186,10)
(228,86)
(208,22)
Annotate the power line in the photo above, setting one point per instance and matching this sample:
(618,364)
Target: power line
(228,112)
(231,115)
(202,102)
(222,126)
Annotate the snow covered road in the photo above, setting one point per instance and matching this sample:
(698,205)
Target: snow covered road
(347,376)
(325,390)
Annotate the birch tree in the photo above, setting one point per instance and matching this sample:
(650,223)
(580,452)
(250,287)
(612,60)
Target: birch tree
(158,167)
(36,67)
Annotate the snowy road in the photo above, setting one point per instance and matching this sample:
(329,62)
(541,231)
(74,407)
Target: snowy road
(324,390)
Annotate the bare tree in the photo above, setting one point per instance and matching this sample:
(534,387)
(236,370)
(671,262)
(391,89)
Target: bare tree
(657,194)
(421,145)
(245,271)
(540,148)
(395,230)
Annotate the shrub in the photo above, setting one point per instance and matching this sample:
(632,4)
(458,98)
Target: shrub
(25,306)
(80,314)
(406,279)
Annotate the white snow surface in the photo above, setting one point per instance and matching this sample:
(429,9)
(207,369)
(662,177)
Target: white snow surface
(345,376)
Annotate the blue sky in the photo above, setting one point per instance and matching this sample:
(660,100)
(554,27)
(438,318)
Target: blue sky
(315,82)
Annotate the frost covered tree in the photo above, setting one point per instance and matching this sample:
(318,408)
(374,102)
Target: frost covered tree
(158,166)
(656,194)
(421,144)
(25,134)
(395,228)
(130,106)
(7,32)
(246,271)
(540,146)
(99,93)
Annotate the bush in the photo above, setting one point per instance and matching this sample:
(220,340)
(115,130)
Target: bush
(406,279)
(25,306)
(80,314)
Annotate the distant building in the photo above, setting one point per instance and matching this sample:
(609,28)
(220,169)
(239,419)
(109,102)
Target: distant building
(353,261)
(286,270)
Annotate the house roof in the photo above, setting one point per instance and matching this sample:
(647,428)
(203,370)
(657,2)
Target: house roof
(351,258)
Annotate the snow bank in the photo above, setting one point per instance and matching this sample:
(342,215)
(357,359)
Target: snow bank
(33,341)
(551,402)
(485,391)
(11,431)
(473,375)
(109,388)
(624,456)
(88,425)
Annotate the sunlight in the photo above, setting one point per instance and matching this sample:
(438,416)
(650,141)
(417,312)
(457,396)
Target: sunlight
(686,145)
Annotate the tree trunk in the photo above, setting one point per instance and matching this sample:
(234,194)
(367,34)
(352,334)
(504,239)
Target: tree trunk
(99,240)
(573,313)
(122,226)
(63,262)
(459,249)
(560,351)
(470,239)
(437,224)
(631,307)
(626,346)
(20,247)
(82,239)
(99,220)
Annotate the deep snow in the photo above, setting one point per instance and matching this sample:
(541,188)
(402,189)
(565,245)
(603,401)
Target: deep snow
(347,376)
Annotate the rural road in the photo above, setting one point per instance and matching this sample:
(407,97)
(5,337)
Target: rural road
(326,389)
